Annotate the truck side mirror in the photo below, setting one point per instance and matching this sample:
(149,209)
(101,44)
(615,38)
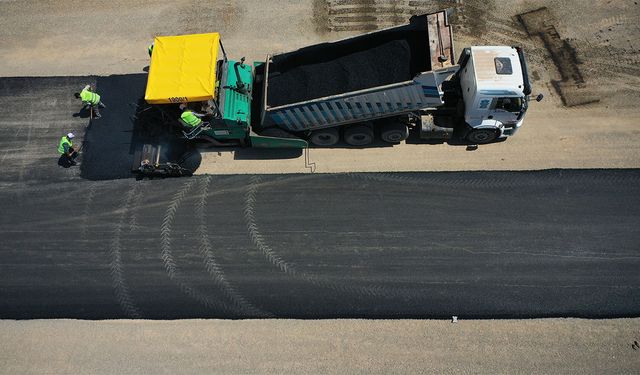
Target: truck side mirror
(539,98)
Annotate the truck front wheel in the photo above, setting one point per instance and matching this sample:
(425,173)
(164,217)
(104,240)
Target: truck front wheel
(325,137)
(481,136)
(394,132)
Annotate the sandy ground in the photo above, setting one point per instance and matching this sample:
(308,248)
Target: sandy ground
(73,38)
(582,141)
(329,347)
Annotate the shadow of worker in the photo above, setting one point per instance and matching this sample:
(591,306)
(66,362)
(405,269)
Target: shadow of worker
(84,112)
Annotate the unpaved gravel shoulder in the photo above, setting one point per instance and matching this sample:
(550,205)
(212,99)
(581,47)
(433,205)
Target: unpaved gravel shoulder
(73,37)
(326,346)
(550,138)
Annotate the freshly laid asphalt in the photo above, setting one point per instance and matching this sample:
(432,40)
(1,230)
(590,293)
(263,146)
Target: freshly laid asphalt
(554,243)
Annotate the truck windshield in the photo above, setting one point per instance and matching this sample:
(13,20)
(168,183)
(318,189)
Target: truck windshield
(509,104)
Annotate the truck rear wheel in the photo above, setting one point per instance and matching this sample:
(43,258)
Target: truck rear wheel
(358,135)
(394,132)
(481,136)
(325,137)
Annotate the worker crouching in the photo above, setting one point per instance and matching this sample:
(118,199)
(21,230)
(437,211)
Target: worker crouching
(90,100)
(68,154)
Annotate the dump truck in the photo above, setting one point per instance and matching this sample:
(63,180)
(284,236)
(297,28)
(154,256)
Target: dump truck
(386,85)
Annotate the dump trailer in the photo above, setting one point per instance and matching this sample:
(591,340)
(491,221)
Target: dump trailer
(386,84)
(392,81)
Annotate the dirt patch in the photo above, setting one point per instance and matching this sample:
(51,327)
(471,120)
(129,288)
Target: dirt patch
(321,16)
(224,17)
(369,15)
(572,87)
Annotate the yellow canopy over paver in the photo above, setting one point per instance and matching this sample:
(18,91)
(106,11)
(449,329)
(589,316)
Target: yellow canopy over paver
(183,68)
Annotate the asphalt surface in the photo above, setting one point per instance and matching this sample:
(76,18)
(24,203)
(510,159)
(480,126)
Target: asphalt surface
(553,243)
(38,111)
(476,245)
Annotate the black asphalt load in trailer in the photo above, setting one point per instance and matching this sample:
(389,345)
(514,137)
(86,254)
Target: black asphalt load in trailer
(370,60)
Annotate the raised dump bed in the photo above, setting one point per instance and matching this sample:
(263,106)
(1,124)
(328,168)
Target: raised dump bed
(355,79)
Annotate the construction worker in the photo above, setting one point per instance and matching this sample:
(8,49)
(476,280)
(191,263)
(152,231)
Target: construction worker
(90,99)
(189,118)
(191,122)
(67,153)
(150,49)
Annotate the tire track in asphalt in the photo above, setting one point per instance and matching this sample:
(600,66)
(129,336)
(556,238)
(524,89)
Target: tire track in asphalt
(166,255)
(134,208)
(381,291)
(289,268)
(117,270)
(212,266)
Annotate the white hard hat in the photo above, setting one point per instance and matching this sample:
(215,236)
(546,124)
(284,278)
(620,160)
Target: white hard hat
(71,135)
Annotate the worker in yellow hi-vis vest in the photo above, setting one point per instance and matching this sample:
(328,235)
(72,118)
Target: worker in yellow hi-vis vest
(90,99)
(67,153)
(191,119)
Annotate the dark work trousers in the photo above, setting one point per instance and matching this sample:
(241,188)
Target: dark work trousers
(95,108)
(69,159)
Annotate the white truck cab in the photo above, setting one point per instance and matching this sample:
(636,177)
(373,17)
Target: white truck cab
(495,88)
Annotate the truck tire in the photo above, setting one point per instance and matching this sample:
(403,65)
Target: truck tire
(394,132)
(358,135)
(482,136)
(325,137)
